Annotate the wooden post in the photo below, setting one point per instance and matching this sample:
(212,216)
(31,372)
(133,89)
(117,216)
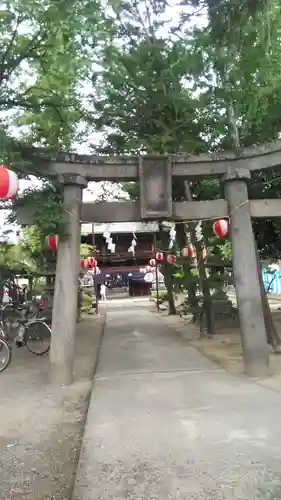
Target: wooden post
(65,297)
(253,332)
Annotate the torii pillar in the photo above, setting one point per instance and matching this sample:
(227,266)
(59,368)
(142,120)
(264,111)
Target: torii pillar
(65,297)
(253,331)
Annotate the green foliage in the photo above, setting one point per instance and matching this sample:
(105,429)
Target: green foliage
(86,300)
(25,256)
(132,189)
(47,48)
(47,206)
(225,251)
(195,89)
(142,95)
(31,239)
(86,250)
(11,257)
(169,94)
(156,86)
(162,295)
(31,255)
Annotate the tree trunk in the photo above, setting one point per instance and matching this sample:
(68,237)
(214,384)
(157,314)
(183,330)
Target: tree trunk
(188,283)
(30,287)
(207,298)
(171,302)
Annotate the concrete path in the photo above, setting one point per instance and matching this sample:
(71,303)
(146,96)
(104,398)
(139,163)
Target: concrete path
(165,423)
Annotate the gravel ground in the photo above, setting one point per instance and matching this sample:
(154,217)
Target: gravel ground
(225,347)
(41,426)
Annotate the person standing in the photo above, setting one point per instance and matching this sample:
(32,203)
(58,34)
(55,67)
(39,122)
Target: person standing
(103,291)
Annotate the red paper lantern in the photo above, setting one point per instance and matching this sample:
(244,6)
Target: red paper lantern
(9,183)
(88,263)
(152,262)
(92,263)
(84,263)
(221,228)
(159,256)
(171,259)
(187,252)
(52,242)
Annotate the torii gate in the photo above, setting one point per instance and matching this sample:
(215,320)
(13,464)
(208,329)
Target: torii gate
(155,173)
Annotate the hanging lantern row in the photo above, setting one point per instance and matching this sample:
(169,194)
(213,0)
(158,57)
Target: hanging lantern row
(159,256)
(52,242)
(187,252)
(171,259)
(9,183)
(221,228)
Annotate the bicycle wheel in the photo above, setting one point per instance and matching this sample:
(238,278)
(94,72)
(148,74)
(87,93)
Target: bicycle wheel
(5,354)
(37,337)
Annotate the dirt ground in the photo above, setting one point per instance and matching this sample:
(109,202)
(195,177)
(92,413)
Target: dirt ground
(41,426)
(225,347)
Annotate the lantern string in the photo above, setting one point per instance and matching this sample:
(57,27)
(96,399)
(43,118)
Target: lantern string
(212,218)
(187,221)
(181,222)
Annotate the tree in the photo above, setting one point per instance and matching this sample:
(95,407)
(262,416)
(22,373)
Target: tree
(142,96)
(168,93)
(242,51)
(46,52)
(47,48)
(160,87)
(193,89)
(25,256)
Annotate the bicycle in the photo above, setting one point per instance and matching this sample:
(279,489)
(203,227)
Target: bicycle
(34,332)
(5,354)
(12,310)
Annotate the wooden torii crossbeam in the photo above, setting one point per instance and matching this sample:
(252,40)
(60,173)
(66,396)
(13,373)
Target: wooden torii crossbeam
(156,188)
(125,168)
(155,173)
(128,211)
